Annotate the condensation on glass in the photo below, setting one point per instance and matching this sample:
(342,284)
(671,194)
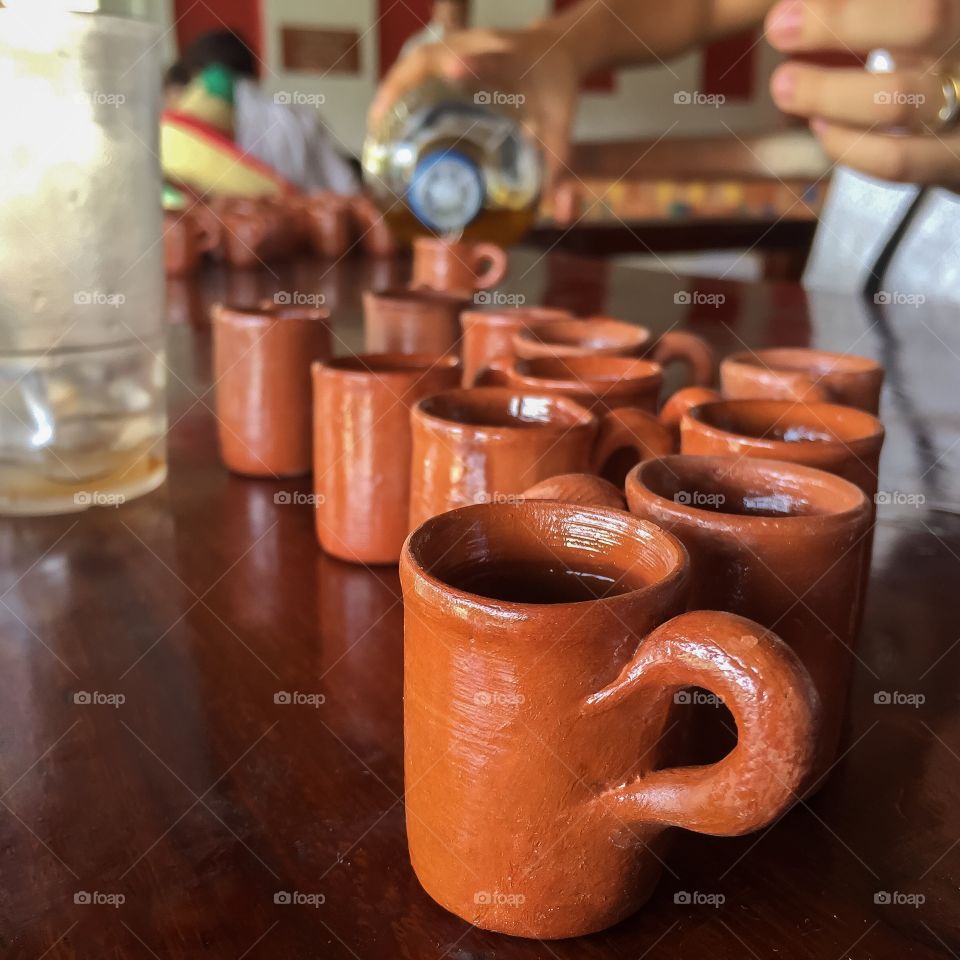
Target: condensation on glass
(82,370)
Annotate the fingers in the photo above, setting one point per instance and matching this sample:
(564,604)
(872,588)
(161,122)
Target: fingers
(430,60)
(922,159)
(908,99)
(862,25)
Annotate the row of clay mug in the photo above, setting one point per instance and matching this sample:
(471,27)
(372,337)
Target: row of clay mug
(544,647)
(396,442)
(783,544)
(247,232)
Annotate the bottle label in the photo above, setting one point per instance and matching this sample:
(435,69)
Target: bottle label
(446,190)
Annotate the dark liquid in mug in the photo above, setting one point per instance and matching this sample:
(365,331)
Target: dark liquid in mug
(537,583)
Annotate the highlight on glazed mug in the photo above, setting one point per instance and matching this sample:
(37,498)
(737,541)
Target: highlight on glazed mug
(482,444)
(545,645)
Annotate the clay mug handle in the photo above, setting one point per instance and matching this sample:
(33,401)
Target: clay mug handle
(495,374)
(631,429)
(677,346)
(496,269)
(582,488)
(204,236)
(683,400)
(250,231)
(774,704)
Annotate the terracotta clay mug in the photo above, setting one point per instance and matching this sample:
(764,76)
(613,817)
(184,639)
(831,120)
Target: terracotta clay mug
(185,240)
(782,544)
(362,446)
(599,383)
(840,440)
(605,336)
(488,443)
(488,334)
(544,646)
(457,267)
(261,367)
(809,376)
(406,320)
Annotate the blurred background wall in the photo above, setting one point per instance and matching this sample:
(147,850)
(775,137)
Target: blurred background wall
(339,50)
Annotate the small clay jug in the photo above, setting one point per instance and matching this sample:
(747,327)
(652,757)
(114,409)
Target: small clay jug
(329,224)
(605,336)
(544,647)
(362,443)
(405,320)
(457,266)
(809,376)
(490,443)
(488,334)
(261,366)
(185,240)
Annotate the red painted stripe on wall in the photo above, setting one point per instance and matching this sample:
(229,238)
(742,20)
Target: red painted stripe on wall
(728,67)
(193,19)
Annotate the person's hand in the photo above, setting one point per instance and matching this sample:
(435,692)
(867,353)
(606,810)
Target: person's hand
(887,125)
(534,63)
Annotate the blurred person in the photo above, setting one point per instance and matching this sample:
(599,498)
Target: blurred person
(447,16)
(292,139)
(889,217)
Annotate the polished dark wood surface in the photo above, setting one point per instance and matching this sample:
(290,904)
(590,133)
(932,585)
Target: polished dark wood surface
(200,798)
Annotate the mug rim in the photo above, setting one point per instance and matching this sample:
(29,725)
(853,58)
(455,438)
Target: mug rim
(380,366)
(421,294)
(511,316)
(443,243)
(839,500)
(645,533)
(262,315)
(870,428)
(821,363)
(651,370)
(634,335)
(583,419)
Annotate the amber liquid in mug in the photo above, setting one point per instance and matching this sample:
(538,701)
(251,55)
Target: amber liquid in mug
(527,582)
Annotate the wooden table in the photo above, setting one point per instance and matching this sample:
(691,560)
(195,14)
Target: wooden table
(200,799)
